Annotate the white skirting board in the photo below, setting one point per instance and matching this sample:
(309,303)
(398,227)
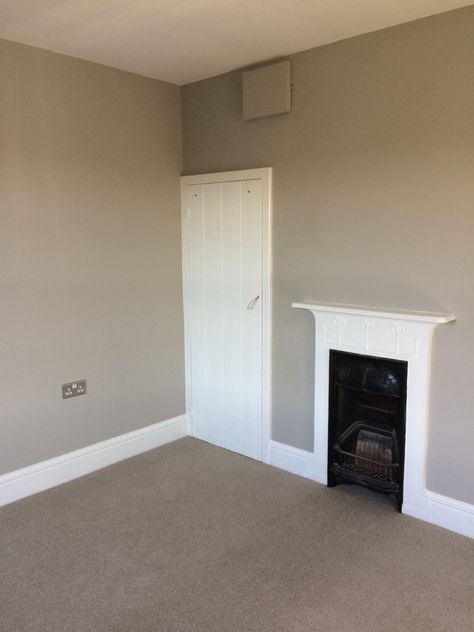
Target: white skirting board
(40,476)
(446,512)
(291,459)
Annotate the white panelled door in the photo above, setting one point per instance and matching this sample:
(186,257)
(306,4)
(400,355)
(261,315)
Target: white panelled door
(226,256)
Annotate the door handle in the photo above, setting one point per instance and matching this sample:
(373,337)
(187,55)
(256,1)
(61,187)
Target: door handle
(252,302)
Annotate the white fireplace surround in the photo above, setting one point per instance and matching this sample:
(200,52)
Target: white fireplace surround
(386,333)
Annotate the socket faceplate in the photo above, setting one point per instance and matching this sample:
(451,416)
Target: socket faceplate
(73,389)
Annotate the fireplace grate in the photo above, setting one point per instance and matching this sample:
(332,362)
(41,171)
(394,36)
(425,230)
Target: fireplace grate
(367,454)
(383,475)
(365,471)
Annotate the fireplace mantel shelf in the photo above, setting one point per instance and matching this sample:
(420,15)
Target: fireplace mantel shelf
(434,318)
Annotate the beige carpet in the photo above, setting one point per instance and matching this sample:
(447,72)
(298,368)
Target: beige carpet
(192,537)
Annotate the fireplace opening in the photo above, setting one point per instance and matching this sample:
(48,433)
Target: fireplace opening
(367,410)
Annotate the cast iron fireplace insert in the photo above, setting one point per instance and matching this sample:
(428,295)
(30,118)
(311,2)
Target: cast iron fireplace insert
(367,411)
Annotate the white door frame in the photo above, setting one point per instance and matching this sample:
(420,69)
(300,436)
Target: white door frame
(265,175)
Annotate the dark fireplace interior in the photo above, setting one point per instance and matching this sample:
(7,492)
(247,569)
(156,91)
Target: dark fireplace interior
(367,405)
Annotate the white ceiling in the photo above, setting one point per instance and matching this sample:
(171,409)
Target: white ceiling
(185,40)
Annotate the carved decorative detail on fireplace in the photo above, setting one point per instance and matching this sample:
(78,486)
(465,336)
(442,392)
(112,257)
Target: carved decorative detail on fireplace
(387,334)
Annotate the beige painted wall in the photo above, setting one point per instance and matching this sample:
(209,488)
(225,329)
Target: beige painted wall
(90,271)
(373,203)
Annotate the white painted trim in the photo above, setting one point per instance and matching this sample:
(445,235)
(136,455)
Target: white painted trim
(446,512)
(41,476)
(267,292)
(379,312)
(187,327)
(449,513)
(291,459)
(265,175)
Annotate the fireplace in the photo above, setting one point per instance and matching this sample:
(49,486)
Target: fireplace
(392,341)
(366,422)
